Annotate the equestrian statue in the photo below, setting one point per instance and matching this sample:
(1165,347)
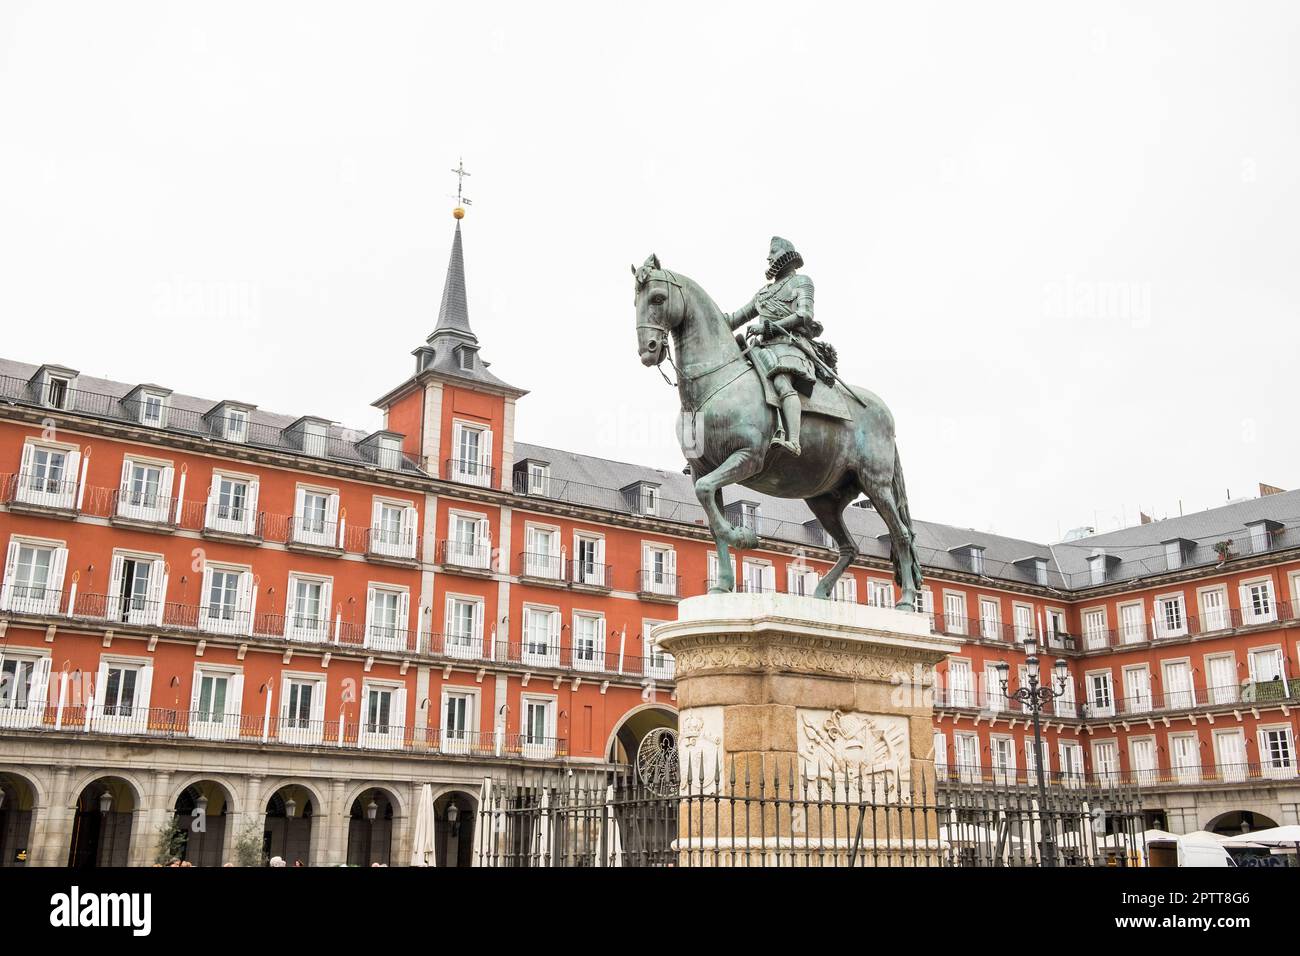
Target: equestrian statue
(767,409)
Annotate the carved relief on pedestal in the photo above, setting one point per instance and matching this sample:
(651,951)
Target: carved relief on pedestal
(699,744)
(794,654)
(840,748)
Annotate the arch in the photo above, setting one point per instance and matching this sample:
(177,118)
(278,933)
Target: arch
(40,790)
(634,725)
(231,792)
(399,805)
(290,829)
(133,786)
(371,819)
(103,821)
(455,816)
(202,810)
(1239,822)
(19,799)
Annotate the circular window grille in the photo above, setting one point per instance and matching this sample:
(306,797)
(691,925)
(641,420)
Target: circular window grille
(656,762)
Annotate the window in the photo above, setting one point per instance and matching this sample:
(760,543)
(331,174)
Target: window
(24,688)
(57,391)
(1023,616)
(302,711)
(1071,756)
(1221,678)
(393,528)
(1094,629)
(537,726)
(588,641)
(954,613)
(1268,672)
(542,553)
(968,757)
(714,577)
(388,612)
(539,478)
(990,619)
(1031,760)
(153,409)
(48,476)
(940,756)
(458,720)
(846,589)
(880,593)
(589,560)
(994,699)
(33,581)
(1178,684)
(976,558)
(1137,690)
(801,579)
(541,636)
(1064,705)
(234,425)
(925,604)
(121,696)
(145,492)
(1171,616)
(1132,628)
(1185,757)
(1100,694)
(216,696)
(383,715)
(471,461)
(464,636)
(1097,569)
(750,514)
(227,600)
(1056,628)
(1277,751)
(1214,610)
(659,663)
(232,504)
(649,500)
(1142,759)
(1004,759)
(316,518)
(759,577)
(137,587)
(659,570)
(1105,763)
(1173,555)
(307,612)
(1230,755)
(1257,603)
(959,683)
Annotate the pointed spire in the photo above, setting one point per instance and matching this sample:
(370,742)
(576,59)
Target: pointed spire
(453,314)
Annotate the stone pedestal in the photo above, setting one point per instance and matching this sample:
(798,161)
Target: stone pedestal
(804,726)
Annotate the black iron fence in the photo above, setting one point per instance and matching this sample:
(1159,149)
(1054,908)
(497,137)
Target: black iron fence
(800,817)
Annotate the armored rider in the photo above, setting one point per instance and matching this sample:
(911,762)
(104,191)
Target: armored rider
(782,337)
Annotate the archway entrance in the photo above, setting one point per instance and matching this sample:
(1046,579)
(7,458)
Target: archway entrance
(1239,822)
(17,800)
(370,829)
(201,815)
(628,735)
(101,826)
(287,832)
(455,815)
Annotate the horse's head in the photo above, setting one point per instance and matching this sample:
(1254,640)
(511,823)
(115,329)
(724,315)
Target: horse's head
(660,308)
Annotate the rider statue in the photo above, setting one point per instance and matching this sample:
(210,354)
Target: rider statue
(781,340)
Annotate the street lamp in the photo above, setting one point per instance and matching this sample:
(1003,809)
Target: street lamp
(105,805)
(372,810)
(1034,696)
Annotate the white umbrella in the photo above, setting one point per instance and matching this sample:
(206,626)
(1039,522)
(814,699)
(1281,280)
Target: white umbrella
(422,842)
(1203,836)
(483,829)
(1274,835)
(1146,836)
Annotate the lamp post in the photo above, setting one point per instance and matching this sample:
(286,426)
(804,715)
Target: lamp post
(105,805)
(372,810)
(290,808)
(1034,696)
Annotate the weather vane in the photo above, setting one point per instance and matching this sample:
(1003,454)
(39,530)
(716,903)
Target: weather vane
(461,201)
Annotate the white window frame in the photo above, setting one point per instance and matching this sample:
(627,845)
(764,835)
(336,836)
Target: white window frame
(155,507)
(227,726)
(1255,611)
(1131,630)
(1214,618)
(372,735)
(455,644)
(110,718)
(1094,622)
(591,573)
(44,600)
(1276,767)
(134,609)
(545,562)
(293,728)
(538,746)
(147,395)
(583,658)
(478,470)
(322,531)
(954,624)
(386,637)
(1145,776)
(1216,691)
(990,624)
(1185,772)
(301,627)
(758,575)
(1022,621)
(475,553)
(659,664)
(1106,772)
(658,580)
(1230,771)
(1160,607)
(385,541)
(1104,710)
(460,740)
(227,518)
(25,710)
(1138,694)
(43,491)
(1177,698)
(242,613)
(540,649)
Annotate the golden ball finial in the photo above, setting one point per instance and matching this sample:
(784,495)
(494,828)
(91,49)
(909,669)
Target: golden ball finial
(458,212)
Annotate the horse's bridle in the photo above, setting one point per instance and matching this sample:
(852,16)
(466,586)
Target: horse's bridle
(643,286)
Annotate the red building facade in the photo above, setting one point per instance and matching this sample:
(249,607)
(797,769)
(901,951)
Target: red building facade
(296,627)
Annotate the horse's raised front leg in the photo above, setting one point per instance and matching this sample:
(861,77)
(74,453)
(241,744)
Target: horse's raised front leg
(829,511)
(738,466)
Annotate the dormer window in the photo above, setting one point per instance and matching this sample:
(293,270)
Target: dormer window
(57,391)
(749,515)
(153,409)
(1177,552)
(539,478)
(390,453)
(1100,566)
(315,438)
(465,358)
(972,556)
(1036,567)
(642,498)
(1262,534)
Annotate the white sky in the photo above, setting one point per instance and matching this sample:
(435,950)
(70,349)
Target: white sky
(1061,242)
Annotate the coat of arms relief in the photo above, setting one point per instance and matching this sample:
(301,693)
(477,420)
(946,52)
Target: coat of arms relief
(839,749)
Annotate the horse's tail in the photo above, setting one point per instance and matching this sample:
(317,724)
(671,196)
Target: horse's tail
(899,488)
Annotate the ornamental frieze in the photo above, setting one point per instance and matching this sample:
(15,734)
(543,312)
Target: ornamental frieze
(795,653)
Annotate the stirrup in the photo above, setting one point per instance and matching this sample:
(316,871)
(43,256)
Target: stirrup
(791,446)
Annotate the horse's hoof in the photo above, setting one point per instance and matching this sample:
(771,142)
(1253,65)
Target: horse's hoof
(905,606)
(718,590)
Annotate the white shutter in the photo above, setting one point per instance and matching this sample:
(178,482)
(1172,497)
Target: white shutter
(410,528)
(485,453)
(143,690)
(376,511)
(299,496)
(235,700)
(203,595)
(73,474)
(246,601)
(290,594)
(767,577)
(11,569)
(126,475)
(58,565)
(194,694)
(553,633)
(326,610)
(250,520)
(157,589)
(165,483)
(101,682)
(478,624)
(404,616)
(397,720)
(113,600)
(25,468)
(39,695)
(370,613)
(332,511)
(318,705)
(212,502)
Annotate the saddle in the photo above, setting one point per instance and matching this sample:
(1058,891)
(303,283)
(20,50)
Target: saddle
(827,400)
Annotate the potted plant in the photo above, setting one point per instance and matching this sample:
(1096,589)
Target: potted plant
(1224,550)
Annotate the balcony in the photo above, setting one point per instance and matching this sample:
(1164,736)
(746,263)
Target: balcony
(469,473)
(230,522)
(38,492)
(388,545)
(312,535)
(458,645)
(143,508)
(658,586)
(466,555)
(32,599)
(388,637)
(543,568)
(589,574)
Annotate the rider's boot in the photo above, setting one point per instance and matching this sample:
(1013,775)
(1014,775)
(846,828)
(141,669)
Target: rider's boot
(792,412)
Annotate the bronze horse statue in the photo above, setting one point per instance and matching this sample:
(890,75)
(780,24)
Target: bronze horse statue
(726,429)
